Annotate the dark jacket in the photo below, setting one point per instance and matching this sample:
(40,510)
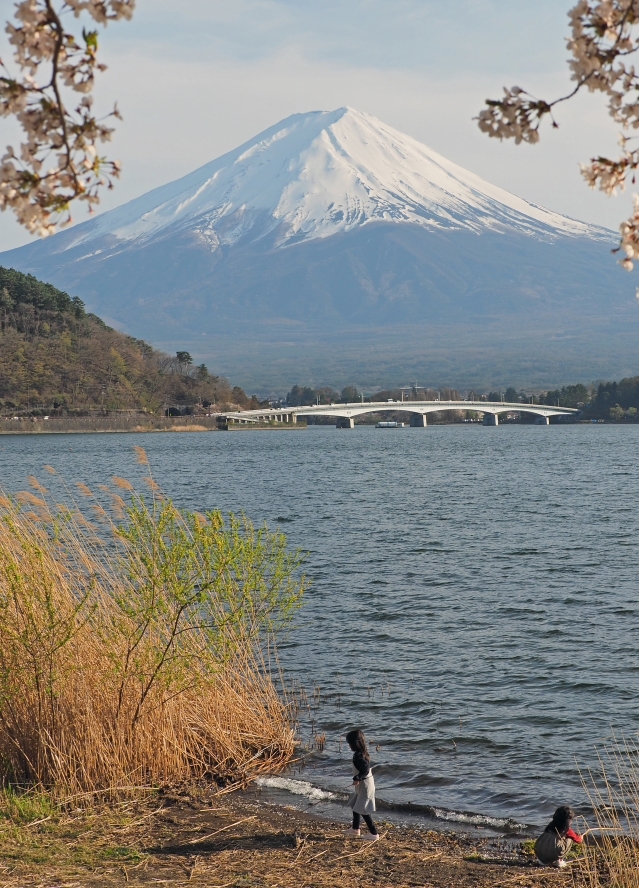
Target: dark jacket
(363,767)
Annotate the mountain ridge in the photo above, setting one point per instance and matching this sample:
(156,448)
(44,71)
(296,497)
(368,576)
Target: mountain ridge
(331,225)
(326,172)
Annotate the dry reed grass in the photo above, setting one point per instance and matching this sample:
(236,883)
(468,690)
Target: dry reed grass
(190,428)
(133,643)
(612,856)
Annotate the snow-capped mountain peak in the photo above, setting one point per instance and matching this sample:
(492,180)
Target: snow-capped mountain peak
(317,174)
(331,248)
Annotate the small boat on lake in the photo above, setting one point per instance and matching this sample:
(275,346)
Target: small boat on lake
(389,425)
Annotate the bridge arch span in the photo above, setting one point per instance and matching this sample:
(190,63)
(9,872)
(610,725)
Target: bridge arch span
(348,412)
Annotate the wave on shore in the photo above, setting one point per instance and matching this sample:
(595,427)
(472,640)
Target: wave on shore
(299,787)
(315,794)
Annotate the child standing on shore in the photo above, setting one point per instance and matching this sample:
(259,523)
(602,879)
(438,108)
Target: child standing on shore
(362,800)
(556,839)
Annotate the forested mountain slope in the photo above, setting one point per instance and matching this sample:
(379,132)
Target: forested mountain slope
(55,355)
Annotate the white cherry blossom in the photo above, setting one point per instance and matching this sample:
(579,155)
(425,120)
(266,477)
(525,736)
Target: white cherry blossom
(58,162)
(604,38)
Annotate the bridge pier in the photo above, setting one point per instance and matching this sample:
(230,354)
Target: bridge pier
(491,419)
(542,420)
(345,422)
(418,421)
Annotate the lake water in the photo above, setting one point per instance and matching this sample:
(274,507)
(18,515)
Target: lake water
(474,605)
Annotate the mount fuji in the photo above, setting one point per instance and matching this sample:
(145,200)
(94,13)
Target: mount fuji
(333,248)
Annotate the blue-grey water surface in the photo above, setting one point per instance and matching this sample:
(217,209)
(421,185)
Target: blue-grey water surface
(474,590)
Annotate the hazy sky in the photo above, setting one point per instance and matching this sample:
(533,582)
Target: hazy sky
(195,78)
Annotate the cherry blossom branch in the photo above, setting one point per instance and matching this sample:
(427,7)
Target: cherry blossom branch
(58,161)
(603,35)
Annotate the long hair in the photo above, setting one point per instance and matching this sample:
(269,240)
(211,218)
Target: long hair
(561,820)
(357,742)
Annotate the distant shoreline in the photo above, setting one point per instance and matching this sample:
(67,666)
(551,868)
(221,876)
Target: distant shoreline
(65,425)
(86,425)
(144,423)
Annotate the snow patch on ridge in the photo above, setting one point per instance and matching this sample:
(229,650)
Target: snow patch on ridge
(317,174)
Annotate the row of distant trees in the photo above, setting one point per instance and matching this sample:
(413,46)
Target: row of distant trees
(194,387)
(605,400)
(305,396)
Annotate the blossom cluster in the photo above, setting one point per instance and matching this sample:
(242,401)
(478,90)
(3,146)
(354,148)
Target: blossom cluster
(58,161)
(517,116)
(630,237)
(604,35)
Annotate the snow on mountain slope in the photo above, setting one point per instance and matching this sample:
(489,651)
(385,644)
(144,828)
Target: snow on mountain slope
(314,175)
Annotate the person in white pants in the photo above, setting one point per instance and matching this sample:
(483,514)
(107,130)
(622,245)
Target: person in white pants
(362,801)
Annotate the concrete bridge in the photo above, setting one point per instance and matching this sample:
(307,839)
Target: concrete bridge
(345,414)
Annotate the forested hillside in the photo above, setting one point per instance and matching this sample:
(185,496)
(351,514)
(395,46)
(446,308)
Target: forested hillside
(56,356)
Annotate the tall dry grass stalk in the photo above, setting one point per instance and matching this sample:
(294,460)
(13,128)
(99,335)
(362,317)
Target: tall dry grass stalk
(612,858)
(133,643)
